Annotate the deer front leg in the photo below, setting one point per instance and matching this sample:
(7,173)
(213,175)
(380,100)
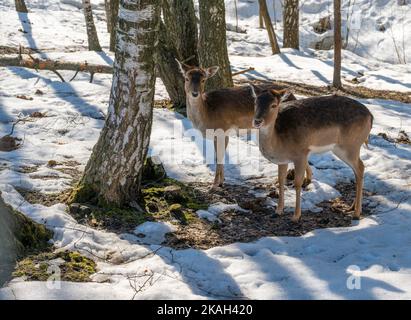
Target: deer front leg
(300,167)
(308,176)
(219,149)
(282,174)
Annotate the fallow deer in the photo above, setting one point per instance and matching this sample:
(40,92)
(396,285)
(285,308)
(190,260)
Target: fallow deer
(289,132)
(221,109)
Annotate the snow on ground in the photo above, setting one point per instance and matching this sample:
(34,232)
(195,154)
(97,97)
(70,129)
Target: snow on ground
(316,265)
(312,266)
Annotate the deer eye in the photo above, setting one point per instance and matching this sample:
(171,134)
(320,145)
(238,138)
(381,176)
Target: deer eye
(187,79)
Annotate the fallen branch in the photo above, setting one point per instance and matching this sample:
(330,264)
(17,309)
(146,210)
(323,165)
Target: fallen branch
(52,65)
(242,71)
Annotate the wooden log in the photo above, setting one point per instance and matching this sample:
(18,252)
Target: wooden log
(52,65)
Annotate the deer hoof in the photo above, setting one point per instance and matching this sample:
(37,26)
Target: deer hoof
(295,219)
(279,211)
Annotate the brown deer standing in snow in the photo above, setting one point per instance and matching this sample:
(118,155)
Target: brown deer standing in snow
(221,109)
(290,132)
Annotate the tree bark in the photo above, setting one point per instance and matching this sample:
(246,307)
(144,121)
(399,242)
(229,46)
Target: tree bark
(20,6)
(114,4)
(113,172)
(260,18)
(291,24)
(93,43)
(181,24)
(107,9)
(169,70)
(213,43)
(269,26)
(337,45)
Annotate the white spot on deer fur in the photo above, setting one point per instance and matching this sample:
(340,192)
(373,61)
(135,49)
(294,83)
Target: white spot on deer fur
(321,149)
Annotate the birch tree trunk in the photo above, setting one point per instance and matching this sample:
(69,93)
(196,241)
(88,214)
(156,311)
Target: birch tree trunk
(181,24)
(269,26)
(337,45)
(20,6)
(93,43)
(113,172)
(291,24)
(213,43)
(169,70)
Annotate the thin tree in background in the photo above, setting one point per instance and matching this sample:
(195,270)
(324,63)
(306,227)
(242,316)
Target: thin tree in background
(20,6)
(337,45)
(260,18)
(93,43)
(291,24)
(213,43)
(114,170)
(269,26)
(181,25)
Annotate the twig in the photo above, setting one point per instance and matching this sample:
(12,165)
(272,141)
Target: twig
(242,71)
(74,76)
(59,75)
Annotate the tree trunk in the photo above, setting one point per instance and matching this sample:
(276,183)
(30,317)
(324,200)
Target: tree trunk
(291,24)
(260,19)
(113,172)
(213,42)
(93,43)
(114,4)
(181,24)
(20,6)
(169,70)
(107,8)
(269,26)
(337,44)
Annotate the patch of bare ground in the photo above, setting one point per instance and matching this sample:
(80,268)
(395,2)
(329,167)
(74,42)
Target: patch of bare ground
(260,221)
(402,137)
(348,90)
(48,199)
(45,199)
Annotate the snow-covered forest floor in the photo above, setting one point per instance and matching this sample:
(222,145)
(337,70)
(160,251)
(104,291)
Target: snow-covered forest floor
(62,123)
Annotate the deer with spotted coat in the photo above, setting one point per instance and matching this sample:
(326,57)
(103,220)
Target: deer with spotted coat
(222,109)
(289,132)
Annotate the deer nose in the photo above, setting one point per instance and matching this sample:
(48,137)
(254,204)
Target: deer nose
(257,123)
(195,94)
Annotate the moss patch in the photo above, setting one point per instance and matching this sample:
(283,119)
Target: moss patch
(32,237)
(171,198)
(71,265)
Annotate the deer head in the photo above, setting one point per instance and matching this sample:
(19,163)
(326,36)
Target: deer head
(266,106)
(195,78)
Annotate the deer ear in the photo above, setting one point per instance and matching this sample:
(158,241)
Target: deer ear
(252,88)
(210,72)
(183,67)
(281,94)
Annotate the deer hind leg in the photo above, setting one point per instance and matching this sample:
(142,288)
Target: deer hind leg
(352,157)
(300,167)
(282,174)
(219,149)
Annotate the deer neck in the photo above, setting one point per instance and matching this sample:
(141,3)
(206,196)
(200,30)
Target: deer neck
(270,144)
(196,110)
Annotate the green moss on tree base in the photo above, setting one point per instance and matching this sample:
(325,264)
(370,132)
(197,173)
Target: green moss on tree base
(82,193)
